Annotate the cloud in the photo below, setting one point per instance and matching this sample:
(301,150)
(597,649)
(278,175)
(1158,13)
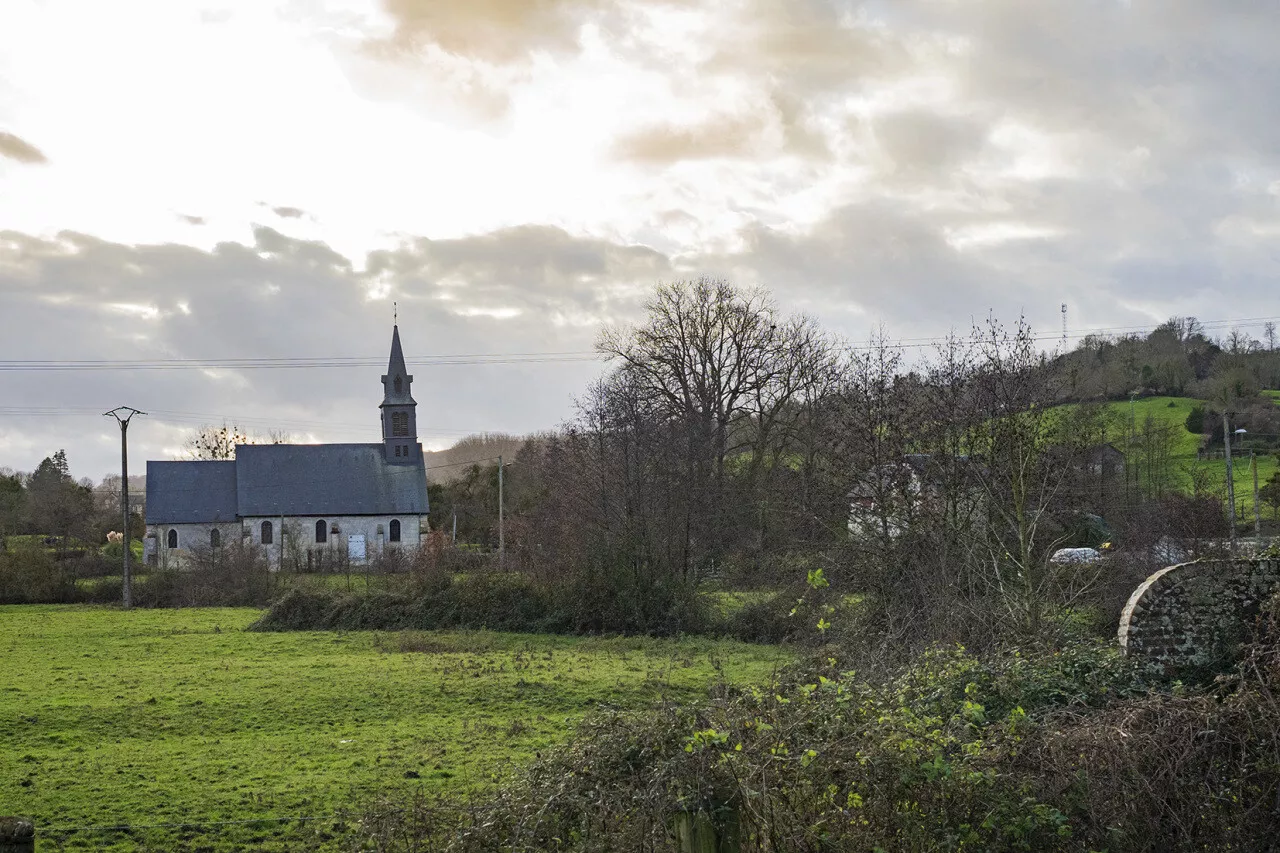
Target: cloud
(806,46)
(536,271)
(191,220)
(16,148)
(75,296)
(729,136)
(497,31)
(912,163)
(928,145)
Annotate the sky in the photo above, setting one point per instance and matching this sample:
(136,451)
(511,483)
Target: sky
(263,179)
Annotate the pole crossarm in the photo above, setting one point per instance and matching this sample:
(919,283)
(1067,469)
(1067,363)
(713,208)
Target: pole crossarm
(124,419)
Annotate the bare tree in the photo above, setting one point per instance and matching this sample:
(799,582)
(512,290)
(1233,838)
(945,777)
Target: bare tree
(727,375)
(1156,442)
(219,443)
(211,442)
(1021,479)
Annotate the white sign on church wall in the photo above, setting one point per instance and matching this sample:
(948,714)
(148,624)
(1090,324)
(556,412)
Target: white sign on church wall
(355,547)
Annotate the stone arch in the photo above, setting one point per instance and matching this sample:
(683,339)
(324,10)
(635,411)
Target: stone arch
(1196,614)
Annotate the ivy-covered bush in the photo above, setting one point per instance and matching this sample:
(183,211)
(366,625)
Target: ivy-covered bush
(1046,749)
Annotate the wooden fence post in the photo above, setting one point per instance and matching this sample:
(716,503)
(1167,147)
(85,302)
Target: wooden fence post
(17,835)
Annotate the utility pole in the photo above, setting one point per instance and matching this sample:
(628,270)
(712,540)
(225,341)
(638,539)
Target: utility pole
(1257,520)
(1231,483)
(502,544)
(1131,441)
(124,414)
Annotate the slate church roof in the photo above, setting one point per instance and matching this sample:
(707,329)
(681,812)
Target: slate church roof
(326,479)
(285,479)
(191,492)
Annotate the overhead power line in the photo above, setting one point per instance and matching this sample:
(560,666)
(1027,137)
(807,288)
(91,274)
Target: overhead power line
(512,358)
(1109,331)
(207,418)
(326,362)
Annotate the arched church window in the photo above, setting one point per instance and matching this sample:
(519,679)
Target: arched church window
(395,530)
(215,538)
(172,538)
(399,385)
(399,423)
(267,531)
(322,531)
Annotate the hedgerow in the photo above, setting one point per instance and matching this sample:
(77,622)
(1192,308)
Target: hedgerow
(1065,749)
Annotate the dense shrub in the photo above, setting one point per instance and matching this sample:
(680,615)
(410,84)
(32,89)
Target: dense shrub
(1195,420)
(794,616)
(30,575)
(1047,749)
(500,601)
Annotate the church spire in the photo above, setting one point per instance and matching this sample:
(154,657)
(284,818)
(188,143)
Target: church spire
(395,384)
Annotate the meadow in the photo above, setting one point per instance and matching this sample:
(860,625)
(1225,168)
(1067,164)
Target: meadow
(136,720)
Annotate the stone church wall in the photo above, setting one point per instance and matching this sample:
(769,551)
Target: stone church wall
(302,535)
(194,539)
(1196,614)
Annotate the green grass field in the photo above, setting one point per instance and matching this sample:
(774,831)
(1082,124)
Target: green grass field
(181,716)
(1185,460)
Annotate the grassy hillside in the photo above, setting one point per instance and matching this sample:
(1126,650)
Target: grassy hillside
(1173,411)
(180,716)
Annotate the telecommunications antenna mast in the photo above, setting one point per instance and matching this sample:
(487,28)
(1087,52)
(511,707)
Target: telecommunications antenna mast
(1064,327)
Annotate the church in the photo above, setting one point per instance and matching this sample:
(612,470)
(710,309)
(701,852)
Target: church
(303,504)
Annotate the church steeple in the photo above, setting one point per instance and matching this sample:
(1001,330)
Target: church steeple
(399,418)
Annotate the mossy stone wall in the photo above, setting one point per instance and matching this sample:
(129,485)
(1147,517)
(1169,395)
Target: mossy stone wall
(1196,614)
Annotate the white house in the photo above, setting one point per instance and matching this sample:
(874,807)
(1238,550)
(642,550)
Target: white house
(352,500)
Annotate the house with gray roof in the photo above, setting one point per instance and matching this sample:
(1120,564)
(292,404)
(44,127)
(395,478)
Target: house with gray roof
(299,501)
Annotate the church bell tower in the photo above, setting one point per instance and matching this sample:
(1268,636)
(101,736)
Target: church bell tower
(399,417)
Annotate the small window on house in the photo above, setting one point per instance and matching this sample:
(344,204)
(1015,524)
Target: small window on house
(322,531)
(172,538)
(399,423)
(215,538)
(267,532)
(397,450)
(395,530)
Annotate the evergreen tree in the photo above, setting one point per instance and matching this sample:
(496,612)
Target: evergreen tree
(56,504)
